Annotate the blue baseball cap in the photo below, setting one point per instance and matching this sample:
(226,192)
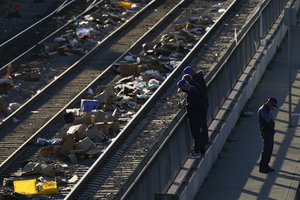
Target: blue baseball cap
(187,70)
(181,83)
(273,101)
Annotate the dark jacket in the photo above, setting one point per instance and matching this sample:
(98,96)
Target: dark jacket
(199,78)
(195,107)
(201,91)
(266,119)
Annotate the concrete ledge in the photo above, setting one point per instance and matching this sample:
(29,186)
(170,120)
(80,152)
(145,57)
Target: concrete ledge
(225,121)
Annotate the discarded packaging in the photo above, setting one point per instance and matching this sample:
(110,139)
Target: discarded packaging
(67,143)
(73,179)
(8,182)
(108,127)
(47,151)
(13,107)
(78,131)
(126,69)
(75,111)
(47,188)
(153,84)
(125,4)
(45,142)
(25,186)
(87,105)
(85,144)
(94,134)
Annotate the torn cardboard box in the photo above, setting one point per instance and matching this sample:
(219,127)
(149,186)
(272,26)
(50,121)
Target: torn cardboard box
(78,131)
(95,134)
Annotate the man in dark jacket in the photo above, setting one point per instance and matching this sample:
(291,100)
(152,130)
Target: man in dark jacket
(267,128)
(197,77)
(195,108)
(201,90)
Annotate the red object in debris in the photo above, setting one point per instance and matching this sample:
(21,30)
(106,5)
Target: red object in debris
(9,67)
(7,76)
(17,7)
(87,36)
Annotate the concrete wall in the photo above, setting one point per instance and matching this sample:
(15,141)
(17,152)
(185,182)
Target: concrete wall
(171,154)
(260,62)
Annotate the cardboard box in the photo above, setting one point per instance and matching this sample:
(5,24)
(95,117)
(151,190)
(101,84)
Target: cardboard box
(108,127)
(82,120)
(78,131)
(95,134)
(56,150)
(85,144)
(47,151)
(127,69)
(67,143)
(102,98)
(101,116)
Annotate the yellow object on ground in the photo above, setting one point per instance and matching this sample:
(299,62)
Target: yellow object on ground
(25,186)
(47,188)
(125,4)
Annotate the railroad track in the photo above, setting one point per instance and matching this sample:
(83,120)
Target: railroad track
(76,78)
(27,19)
(113,177)
(14,135)
(144,136)
(51,66)
(13,47)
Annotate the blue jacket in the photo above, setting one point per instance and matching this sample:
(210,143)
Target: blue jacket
(266,119)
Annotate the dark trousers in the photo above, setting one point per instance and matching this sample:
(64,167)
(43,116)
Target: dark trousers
(268,142)
(200,137)
(204,130)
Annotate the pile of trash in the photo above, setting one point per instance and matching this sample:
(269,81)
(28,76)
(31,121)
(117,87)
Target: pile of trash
(84,33)
(37,178)
(104,110)
(88,30)
(19,84)
(144,73)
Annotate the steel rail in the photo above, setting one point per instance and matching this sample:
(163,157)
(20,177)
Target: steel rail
(54,82)
(62,6)
(61,112)
(241,34)
(65,5)
(148,105)
(49,123)
(157,92)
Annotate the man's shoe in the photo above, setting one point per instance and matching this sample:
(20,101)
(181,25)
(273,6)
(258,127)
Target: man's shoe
(266,170)
(263,170)
(194,154)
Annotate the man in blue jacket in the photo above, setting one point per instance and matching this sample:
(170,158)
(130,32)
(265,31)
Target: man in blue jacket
(196,114)
(267,128)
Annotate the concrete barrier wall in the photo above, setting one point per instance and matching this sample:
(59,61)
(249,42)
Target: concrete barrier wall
(219,141)
(172,154)
(169,158)
(263,59)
